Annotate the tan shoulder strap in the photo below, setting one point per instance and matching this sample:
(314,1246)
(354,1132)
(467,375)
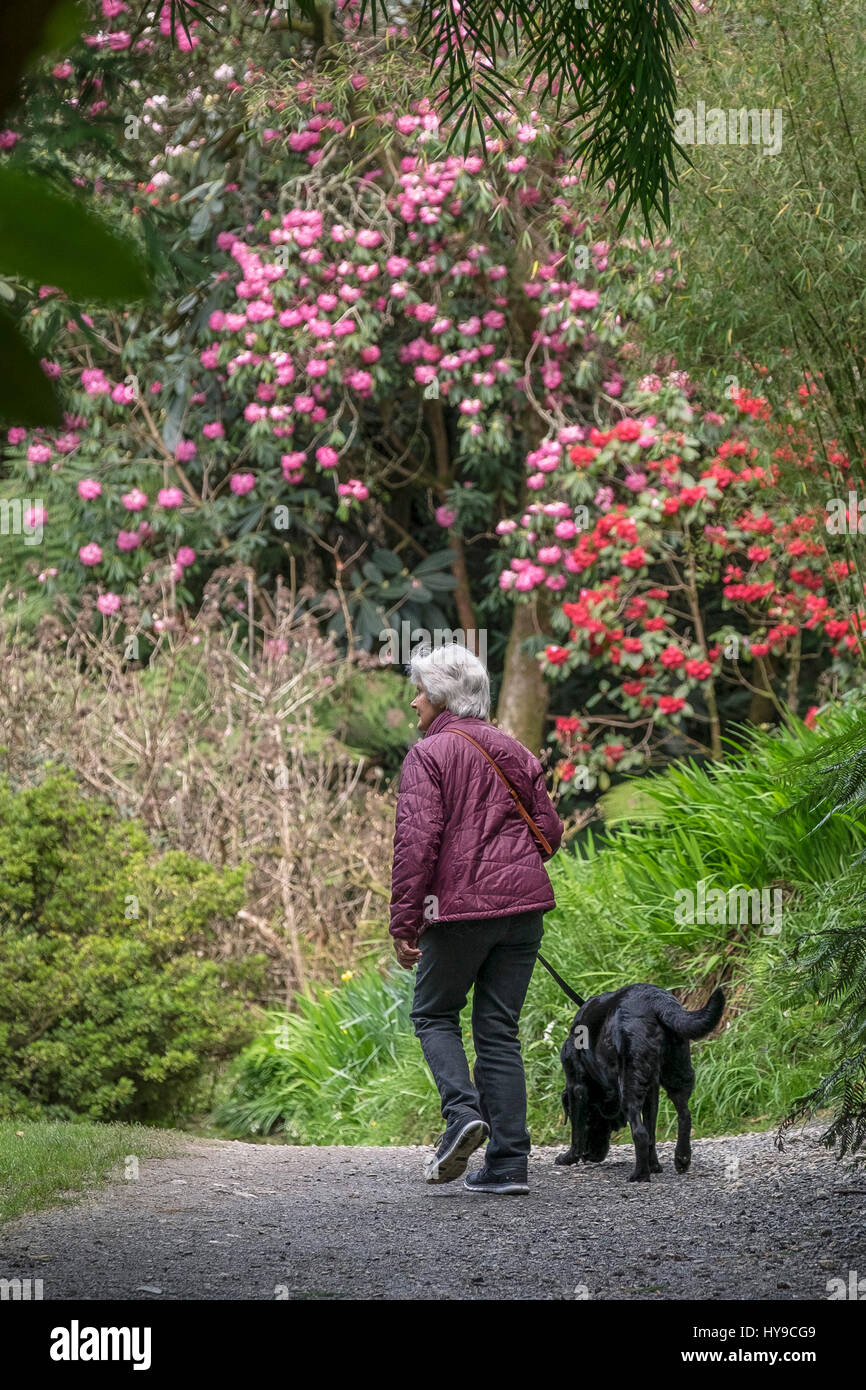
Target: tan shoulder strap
(543,841)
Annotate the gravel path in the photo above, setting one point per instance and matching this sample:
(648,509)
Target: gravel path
(249,1221)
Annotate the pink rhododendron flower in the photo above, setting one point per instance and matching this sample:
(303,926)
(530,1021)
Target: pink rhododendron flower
(170,497)
(89,488)
(39,453)
(327,457)
(353,488)
(135,500)
(291,463)
(185,556)
(128,540)
(242,483)
(530,578)
(108,604)
(90,554)
(95,382)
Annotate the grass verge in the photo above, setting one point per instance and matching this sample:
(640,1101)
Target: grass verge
(46,1163)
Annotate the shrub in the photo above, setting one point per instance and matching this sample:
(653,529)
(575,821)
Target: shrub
(107,1007)
(228,758)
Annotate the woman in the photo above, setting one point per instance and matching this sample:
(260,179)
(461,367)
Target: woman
(469,884)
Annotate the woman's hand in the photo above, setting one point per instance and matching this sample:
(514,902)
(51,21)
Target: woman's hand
(407,955)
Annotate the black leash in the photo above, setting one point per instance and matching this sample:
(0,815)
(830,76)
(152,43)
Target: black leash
(566,989)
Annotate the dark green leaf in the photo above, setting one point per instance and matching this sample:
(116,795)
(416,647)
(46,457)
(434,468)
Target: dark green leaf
(49,238)
(26,398)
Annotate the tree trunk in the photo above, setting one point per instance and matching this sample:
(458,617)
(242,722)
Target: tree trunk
(763,709)
(523,699)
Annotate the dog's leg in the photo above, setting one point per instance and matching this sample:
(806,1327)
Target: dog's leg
(576,1106)
(683,1150)
(650,1115)
(579,1114)
(640,1135)
(569,1156)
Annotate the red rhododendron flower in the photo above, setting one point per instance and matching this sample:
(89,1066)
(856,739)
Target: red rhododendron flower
(556,655)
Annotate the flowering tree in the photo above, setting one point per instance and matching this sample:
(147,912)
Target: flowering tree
(369,341)
(374,336)
(694,587)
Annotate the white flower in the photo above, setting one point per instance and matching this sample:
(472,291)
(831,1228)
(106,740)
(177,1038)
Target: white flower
(224,73)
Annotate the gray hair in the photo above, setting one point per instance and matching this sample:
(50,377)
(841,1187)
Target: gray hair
(452,676)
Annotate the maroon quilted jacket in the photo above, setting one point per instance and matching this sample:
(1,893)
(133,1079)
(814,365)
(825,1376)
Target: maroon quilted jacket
(461,847)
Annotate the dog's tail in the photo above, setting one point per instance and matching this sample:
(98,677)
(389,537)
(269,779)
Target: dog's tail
(690,1023)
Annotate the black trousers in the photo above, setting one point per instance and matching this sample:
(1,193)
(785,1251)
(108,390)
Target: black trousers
(496,955)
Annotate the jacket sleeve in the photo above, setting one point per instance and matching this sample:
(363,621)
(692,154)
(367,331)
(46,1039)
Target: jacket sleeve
(417,837)
(544,814)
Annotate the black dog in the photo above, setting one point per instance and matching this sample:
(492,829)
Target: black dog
(621,1048)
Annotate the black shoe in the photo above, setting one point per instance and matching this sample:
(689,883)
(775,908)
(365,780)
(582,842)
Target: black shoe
(453,1149)
(485,1181)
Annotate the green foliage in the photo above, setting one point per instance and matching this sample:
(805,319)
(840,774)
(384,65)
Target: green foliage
(47,236)
(830,961)
(771,245)
(832,776)
(308,1074)
(107,1008)
(369,713)
(831,964)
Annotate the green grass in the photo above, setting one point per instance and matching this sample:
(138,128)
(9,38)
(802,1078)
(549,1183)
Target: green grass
(349,1070)
(47,1163)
